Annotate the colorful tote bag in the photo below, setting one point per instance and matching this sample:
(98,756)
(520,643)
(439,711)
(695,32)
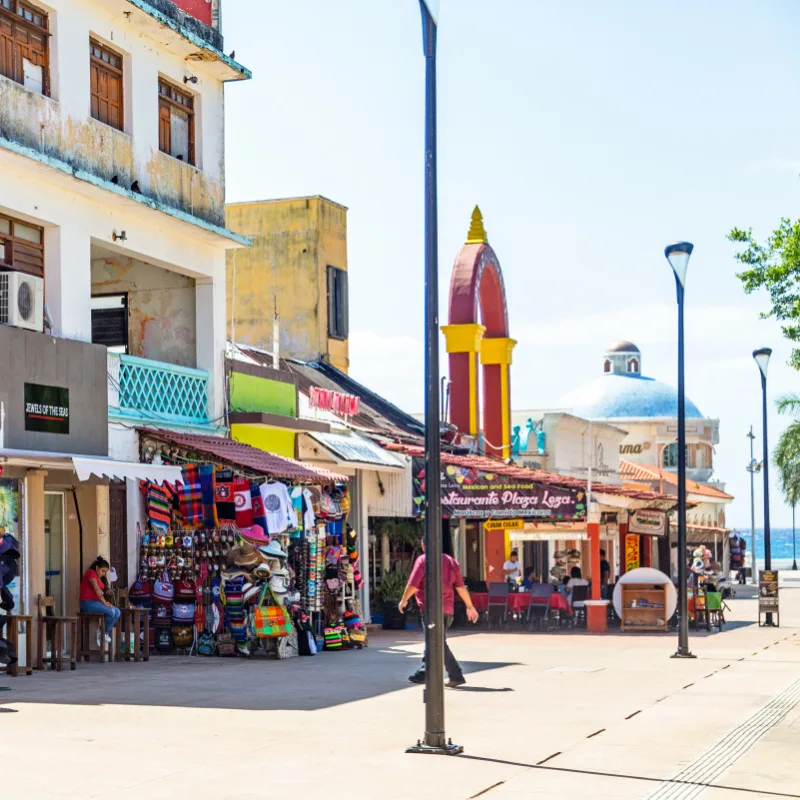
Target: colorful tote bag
(272,621)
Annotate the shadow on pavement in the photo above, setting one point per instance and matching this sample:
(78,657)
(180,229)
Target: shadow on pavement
(326,680)
(644,778)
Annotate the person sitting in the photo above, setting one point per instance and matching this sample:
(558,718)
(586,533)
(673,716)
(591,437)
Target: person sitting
(528,581)
(94,597)
(576,579)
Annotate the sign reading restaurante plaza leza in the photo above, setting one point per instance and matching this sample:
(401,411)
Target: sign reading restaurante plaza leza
(474,494)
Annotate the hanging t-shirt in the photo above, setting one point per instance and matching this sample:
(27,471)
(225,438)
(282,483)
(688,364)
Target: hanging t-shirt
(297,504)
(309,519)
(278,507)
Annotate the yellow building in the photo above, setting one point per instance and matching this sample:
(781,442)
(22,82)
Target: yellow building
(297,264)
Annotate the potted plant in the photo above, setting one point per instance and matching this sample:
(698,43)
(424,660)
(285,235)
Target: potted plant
(392,586)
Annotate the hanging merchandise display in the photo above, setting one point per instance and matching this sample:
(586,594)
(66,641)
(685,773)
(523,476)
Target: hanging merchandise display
(231,565)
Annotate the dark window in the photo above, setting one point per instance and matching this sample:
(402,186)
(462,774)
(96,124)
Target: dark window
(607,366)
(338,313)
(24,45)
(670,456)
(105,68)
(175,122)
(21,246)
(110,321)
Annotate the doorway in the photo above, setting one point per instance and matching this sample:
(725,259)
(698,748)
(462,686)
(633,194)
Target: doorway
(118,529)
(55,551)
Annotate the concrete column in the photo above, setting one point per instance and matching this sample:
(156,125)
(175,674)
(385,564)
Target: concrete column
(34,547)
(68,281)
(135,509)
(211,321)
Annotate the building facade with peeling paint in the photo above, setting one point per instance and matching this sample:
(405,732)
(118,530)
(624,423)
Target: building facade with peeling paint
(112,213)
(297,266)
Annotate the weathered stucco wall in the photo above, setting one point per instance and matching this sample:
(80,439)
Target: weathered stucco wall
(161,308)
(60,126)
(294,241)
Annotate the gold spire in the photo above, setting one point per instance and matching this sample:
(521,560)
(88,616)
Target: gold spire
(477,233)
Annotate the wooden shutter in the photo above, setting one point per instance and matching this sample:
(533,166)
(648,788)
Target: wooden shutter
(331,301)
(6,48)
(118,530)
(164,128)
(343,304)
(28,258)
(106,86)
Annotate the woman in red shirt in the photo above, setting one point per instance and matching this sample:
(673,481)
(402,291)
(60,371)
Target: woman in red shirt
(93,601)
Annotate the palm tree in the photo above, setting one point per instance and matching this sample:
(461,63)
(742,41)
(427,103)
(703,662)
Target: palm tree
(787,460)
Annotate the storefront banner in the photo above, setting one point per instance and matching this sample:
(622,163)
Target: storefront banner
(767,590)
(473,494)
(649,523)
(632,554)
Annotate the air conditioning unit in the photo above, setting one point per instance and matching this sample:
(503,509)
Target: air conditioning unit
(21,300)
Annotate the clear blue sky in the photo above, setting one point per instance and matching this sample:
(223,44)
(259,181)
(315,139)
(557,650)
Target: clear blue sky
(590,133)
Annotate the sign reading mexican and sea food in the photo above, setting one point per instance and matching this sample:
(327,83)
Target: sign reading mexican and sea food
(474,494)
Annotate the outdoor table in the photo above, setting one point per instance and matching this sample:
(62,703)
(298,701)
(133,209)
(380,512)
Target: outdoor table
(519,601)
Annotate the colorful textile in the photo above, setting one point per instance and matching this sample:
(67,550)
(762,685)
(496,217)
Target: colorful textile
(226,504)
(259,514)
(159,509)
(244,503)
(191,498)
(208,492)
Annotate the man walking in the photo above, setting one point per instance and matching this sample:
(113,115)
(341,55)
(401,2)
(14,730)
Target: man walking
(452,582)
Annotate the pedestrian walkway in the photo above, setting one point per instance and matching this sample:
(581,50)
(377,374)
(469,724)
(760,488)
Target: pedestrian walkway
(542,715)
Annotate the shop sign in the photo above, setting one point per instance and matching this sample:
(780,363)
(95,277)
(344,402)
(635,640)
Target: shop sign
(768,590)
(46,409)
(632,554)
(474,494)
(649,523)
(630,449)
(503,525)
(339,403)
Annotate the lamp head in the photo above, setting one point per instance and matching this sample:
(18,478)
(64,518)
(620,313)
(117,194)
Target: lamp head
(762,359)
(678,256)
(432,7)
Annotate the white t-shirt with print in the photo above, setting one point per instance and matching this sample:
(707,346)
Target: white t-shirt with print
(278,507)
(516,566)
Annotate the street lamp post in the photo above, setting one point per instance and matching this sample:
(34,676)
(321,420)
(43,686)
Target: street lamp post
(753,467)
(678,255)
(435,741)
(761,357)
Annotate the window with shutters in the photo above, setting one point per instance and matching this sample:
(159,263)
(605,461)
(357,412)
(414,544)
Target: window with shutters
(21,246)
(175,122)
(110,321)
(105,67)
(338,312)
(24,41)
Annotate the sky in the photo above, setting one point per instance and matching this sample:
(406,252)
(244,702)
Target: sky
(590,134)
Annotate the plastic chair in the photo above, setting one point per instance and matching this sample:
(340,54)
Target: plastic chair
(538,611)
(498,604)
(715,609)
(578,602)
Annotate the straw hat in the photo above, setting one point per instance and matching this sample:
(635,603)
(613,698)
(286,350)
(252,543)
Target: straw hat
(244,555)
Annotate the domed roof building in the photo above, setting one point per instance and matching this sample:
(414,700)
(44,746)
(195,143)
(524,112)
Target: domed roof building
(622,392)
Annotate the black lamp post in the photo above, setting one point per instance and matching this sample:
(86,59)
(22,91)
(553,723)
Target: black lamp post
(435,741)
(762,359)
(678,256)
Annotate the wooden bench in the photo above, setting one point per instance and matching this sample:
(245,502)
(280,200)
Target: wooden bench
(88,625)
(12,632)
(56,629)
(134,626)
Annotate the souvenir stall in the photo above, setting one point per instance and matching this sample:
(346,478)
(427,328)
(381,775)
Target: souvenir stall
(249,554)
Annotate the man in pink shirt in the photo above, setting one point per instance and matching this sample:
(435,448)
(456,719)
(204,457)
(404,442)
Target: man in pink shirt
(452,582)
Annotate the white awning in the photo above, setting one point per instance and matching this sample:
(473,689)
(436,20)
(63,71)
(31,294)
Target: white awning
(120,470)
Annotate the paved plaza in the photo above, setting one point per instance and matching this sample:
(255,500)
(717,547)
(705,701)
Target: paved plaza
(543,715)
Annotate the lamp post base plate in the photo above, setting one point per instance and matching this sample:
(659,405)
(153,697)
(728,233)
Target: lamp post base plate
(433,750)
(678,654)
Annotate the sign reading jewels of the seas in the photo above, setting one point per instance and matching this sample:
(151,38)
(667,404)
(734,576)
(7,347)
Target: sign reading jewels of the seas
(469,493)
(46,409)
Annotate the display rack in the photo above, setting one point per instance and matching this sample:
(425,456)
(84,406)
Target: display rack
(644,607)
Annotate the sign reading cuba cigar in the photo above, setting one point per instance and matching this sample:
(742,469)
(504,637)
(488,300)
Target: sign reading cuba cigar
(474,494)
(46,409)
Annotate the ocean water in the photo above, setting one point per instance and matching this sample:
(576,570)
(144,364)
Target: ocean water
(782,550)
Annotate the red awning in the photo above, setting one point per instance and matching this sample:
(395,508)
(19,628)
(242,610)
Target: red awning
(238,454)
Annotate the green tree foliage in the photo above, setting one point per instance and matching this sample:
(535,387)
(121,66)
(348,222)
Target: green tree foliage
(774,266)
(787,453)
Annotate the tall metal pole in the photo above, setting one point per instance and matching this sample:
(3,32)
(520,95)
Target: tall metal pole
(794,541)
(765,467)
(752,470)
(683,599)
(435,740)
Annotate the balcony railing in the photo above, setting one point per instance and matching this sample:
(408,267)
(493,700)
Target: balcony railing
(154,392)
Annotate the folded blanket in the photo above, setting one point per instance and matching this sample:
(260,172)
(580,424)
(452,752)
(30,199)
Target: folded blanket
(191,498)
(208,493)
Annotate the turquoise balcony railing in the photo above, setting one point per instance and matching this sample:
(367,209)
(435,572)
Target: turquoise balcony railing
(154,392)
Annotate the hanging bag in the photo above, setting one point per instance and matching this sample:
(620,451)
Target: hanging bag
(273,621)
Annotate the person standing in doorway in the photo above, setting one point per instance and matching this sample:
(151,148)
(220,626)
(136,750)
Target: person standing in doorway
(512,569)
(605,575)
(452,583)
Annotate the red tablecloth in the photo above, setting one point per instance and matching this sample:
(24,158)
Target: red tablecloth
(519,601)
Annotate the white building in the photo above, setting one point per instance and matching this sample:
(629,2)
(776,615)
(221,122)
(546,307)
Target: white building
(112,211)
